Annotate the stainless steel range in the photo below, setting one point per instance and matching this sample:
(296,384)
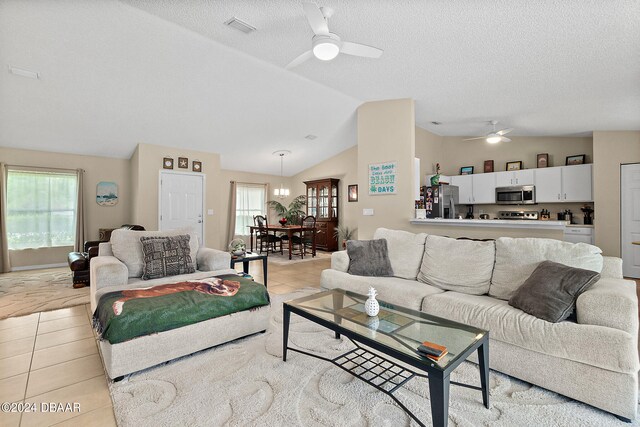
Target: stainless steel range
(533,215)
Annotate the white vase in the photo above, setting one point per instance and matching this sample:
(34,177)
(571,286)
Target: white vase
(371,306)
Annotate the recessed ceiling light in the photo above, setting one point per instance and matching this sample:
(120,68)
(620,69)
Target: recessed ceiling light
(310,137)
(24,73)
(239,24)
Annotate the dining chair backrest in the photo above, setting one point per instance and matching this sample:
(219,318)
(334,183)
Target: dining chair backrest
(259,221)
(309,221)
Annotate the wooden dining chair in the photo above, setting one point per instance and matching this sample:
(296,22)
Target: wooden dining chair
(264,238)
(306,237)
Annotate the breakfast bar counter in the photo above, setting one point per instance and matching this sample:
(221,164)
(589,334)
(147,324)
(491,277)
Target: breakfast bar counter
(499,223)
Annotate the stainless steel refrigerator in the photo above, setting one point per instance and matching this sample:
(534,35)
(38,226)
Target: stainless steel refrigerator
(441,201)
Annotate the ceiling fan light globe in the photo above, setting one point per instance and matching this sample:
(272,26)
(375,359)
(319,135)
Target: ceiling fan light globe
(326,50)
(494,139)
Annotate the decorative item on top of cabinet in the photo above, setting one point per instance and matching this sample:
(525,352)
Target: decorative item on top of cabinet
(514,166)
(488,166)
(542,160)
(466,170)
(322,203)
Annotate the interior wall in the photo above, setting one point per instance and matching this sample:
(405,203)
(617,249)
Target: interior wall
(458,153)
(429,151)
(610,150)
(96,169)
(343,166)
(386,132)
(149,165)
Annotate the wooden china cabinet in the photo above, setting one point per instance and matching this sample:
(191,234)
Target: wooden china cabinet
(322,202)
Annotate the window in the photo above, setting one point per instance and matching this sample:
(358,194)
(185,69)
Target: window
(250,201)
(41,209)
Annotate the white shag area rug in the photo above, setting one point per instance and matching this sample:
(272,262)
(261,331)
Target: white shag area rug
(246,383)
(26,292)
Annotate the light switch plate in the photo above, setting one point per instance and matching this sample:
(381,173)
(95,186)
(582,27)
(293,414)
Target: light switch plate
(209,212)
(367,212)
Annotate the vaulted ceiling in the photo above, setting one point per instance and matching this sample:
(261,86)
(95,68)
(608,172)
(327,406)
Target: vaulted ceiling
(169,72)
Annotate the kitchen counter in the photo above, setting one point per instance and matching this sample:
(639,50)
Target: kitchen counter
(499,223)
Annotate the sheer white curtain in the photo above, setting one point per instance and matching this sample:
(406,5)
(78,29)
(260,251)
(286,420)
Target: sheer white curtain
(250,201)
(42,208)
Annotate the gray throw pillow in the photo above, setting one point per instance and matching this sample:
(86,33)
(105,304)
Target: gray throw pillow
(166,256)
(369,258)
(550,293)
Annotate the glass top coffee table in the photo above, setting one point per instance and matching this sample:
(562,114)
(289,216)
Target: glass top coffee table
(391,336)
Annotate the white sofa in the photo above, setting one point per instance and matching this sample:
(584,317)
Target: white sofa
(593,360)
(118,266)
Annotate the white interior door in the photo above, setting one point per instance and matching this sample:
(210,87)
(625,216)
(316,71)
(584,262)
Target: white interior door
(181,202)
(630,219)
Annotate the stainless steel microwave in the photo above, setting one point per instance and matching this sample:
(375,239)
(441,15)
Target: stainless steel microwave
(516,195)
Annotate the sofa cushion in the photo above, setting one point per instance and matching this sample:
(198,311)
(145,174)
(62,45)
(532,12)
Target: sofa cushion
(405,251)
(402,292)
(551,291)
(598,346)
(458,265)
(126,246)
(517,258)
(166,256)
(369,258)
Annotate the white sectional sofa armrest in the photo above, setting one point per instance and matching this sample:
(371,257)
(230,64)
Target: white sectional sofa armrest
(611,267)
(612,303)
(213,259)
(105,249)
(340,261)
(106,271)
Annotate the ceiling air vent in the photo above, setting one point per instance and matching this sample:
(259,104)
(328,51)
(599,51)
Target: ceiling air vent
(238,24)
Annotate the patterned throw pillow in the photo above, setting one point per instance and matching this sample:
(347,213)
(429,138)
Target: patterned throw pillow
(166,256)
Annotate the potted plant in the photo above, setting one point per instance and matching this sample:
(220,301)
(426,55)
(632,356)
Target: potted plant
(293,213)
(344,233)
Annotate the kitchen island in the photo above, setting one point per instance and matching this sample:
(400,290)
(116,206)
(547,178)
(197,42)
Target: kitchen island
(499,223)
(494,228)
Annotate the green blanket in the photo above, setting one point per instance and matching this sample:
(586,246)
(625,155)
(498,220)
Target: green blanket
(124,315)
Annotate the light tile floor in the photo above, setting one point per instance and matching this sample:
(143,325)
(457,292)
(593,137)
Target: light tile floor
(52,357)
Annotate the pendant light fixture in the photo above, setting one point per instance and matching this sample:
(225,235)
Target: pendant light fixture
(281,192)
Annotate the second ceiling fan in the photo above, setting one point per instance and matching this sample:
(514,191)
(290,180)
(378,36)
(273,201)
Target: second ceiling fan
(326,45)
(494,136)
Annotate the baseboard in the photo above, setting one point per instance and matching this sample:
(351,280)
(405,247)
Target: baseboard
(38,267)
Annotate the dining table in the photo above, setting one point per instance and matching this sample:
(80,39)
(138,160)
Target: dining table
(290,230)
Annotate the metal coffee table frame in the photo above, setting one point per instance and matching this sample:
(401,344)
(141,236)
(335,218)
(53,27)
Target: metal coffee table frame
(390,376)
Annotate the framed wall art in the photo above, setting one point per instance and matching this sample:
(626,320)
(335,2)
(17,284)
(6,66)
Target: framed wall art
(197,166)
(488,166)
(466,170)
(353,193)
(514,166)
(578,159)
(167,163)
(183,163)
(107,193)
(542,160)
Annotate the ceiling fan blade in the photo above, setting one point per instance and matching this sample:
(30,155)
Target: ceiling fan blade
(357,49)
(316,19)
(504,131)
(505,139)
(299,60)
(471,139)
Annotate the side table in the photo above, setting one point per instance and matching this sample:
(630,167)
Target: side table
(247,258)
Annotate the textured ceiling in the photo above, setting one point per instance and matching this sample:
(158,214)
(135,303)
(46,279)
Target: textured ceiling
(170,73)
(543,67)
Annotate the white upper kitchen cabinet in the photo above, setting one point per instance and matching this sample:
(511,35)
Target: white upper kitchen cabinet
(577,183)
(509,178)
(548,183)
(465,188)
(484,188)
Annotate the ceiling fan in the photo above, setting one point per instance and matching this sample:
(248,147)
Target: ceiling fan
(326,45)
(494,136)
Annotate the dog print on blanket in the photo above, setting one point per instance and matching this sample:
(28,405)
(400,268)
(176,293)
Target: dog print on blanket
(209,286)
